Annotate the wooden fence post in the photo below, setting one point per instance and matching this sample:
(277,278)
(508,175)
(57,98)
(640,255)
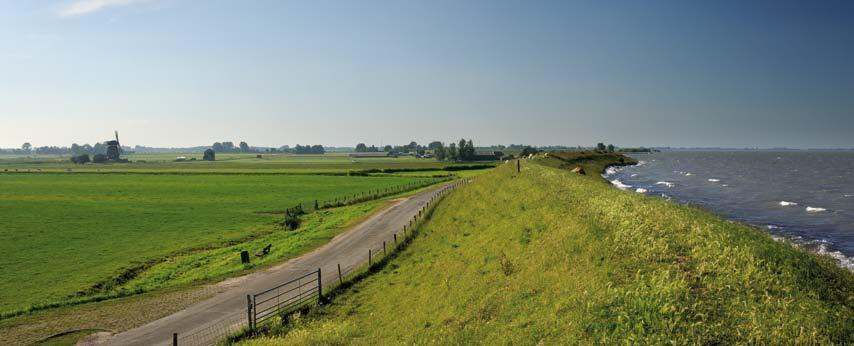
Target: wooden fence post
(383,248)
(319,287)
(340,277)
(395,238)
(369,257)
(174,339)
(249,312)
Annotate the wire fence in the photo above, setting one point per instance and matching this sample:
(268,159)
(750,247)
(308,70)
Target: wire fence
(308,289)
(213,332)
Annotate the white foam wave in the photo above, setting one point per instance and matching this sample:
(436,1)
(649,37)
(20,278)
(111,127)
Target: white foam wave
(786,204)
(848,195)
(688,174)
(772,227)
(611,171)
(815,210)
(844,261)
(619,184)
(819,246)
(641,190)
(634,175)
(665,183)
(714,180)
(724,185)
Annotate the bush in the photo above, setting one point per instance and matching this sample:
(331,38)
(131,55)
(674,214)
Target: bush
(80,159)
(99,158)
(209,155)
(292,222)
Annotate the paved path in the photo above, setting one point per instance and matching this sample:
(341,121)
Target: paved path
(207,321)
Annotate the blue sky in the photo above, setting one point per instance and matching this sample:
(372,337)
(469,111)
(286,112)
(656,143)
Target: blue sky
(653,73)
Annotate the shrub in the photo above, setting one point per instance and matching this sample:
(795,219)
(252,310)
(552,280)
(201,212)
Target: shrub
(209,155)
(80,159)
(99,158)
(292,222)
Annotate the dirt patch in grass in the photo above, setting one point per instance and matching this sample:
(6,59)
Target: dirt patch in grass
(113,315)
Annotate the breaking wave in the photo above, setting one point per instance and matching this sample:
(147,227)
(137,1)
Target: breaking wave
(815,210)
(786,204)
(619,184)
(665,183)
(641,190)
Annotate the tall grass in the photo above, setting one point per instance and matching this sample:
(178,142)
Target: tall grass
(552,257)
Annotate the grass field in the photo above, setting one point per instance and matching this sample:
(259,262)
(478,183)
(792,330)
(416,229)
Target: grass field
(552,257)
(335,163)
(64,233)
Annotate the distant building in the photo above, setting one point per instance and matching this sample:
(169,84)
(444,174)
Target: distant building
(487,156)
(114,150)
(370,155)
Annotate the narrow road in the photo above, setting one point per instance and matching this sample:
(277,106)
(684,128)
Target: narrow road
(208,321)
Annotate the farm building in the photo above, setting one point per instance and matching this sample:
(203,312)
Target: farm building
(488,155)
(371,155)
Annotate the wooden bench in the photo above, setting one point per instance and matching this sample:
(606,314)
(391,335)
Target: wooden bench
(265,251)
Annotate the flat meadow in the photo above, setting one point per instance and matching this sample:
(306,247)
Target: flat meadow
(65,232)
(332,163)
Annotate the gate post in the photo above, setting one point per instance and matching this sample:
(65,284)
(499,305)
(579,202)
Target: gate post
(319,288)
(249,312)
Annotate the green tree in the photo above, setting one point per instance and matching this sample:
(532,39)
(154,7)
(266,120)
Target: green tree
(461,150)
(611,148)
(26,147)
(361,147)
(244,147)
(217,147)
(600,146)
(440,152)
(452,152)
(529,150)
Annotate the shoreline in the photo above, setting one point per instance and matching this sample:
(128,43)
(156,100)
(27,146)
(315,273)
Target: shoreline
(818,247)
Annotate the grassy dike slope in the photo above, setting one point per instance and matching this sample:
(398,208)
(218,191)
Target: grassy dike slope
(552,257)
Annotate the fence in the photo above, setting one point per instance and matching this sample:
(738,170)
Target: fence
(306,289)
(285,298)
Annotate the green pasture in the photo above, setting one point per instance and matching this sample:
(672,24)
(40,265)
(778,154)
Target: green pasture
(333,163)
(63,233)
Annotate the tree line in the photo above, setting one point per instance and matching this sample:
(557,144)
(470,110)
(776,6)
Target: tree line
(75,150)
(464,150)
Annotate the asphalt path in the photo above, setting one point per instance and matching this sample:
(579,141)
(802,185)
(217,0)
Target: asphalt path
(209,320)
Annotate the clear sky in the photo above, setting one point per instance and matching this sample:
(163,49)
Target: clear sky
(653,73)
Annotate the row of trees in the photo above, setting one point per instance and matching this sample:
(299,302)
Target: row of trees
(75,150)
(243,147)
(228,147)
(464,150)
(309,149)
(602,147)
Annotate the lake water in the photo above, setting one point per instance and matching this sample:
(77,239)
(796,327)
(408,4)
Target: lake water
(804,196)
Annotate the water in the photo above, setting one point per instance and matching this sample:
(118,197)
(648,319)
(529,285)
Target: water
(804,196)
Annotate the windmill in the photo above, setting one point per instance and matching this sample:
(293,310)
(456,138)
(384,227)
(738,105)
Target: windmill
(114,149)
